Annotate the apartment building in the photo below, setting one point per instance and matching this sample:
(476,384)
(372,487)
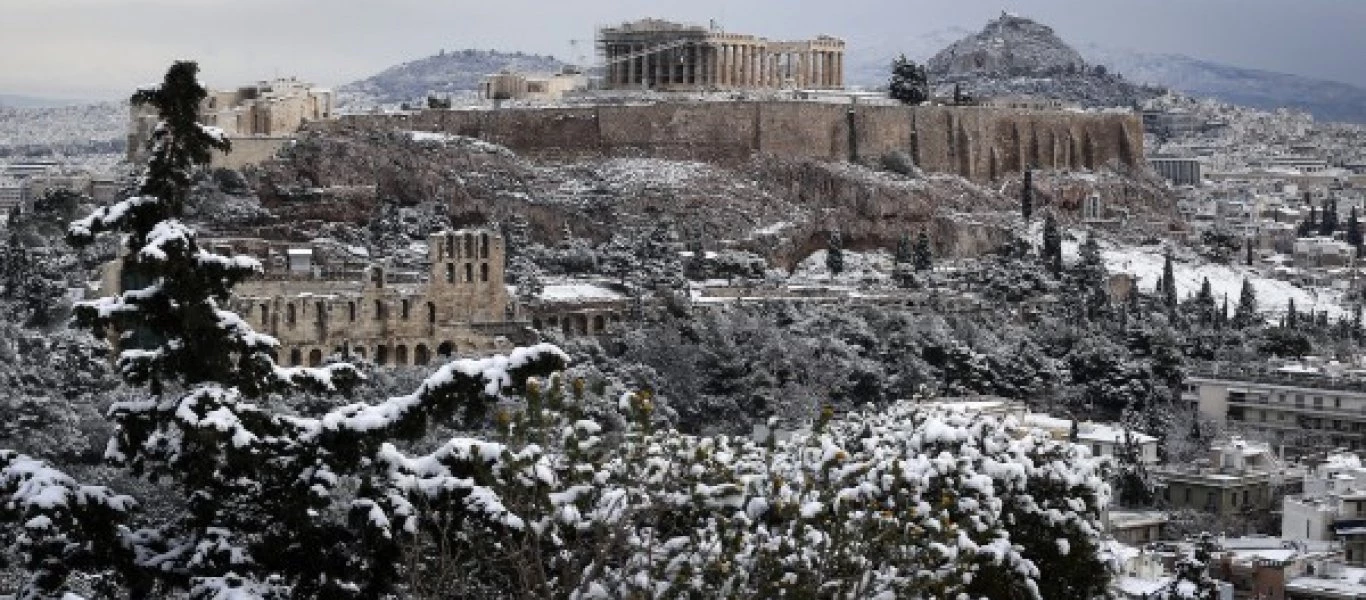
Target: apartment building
(1302,407)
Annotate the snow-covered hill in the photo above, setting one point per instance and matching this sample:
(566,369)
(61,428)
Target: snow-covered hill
(1008,46)
(454,72)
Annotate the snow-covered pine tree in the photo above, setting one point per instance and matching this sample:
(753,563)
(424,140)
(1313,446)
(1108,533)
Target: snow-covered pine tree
(1193,581)
(1204,302)
(276,504)
(1291,318)
(924,257)
(834,253)
(1052,246)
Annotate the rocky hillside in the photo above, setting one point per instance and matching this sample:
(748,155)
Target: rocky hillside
(777,208)
(1009,46)
(1267,90)
(454,72)
(1014,56)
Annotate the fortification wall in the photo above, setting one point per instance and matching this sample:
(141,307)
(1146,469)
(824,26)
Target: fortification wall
(979,143)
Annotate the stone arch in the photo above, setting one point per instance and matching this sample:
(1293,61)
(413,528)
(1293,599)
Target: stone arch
(483,271)
(446,349)
(296,357)
(381,355)
(421,355)
(599,324)
(581,324)
(359,351)
(315,358)
(401,354)
(431,312)
(536,323)
(320,308)
(291,314)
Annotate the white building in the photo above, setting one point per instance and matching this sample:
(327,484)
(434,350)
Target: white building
(1103,439)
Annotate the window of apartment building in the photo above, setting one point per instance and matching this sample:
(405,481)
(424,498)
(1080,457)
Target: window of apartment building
(1318,401)
(1188,495)
(1337,402)
(1245,496)
(1095,449)
(1299,399)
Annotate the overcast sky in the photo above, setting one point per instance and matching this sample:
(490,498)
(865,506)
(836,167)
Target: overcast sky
(103,48)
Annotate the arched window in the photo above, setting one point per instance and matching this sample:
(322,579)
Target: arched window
(431,312)
(296,357)
(381,355)
(379,310)
(290,315)
(446,349)
(450,272)
(351,310)
(469,272)
(400,355)
(315,358)
(403,308)
(421,355)
(483,271)
(536,323)
(599,324)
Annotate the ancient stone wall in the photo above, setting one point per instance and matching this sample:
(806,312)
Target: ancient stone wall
(979,143)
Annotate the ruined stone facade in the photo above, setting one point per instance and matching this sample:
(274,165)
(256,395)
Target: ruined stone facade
(978,143)
(460,306)
(661,55)
(257,119)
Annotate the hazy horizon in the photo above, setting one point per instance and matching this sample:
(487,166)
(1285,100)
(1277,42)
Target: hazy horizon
(97,49)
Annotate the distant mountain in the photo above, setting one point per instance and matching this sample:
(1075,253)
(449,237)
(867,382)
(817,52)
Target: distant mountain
(1326,100)
(455,72)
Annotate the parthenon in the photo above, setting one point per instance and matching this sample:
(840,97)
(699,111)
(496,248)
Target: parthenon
(661,55)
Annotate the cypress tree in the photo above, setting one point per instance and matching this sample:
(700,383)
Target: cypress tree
(1027,195)
(1248,245)
(923,256)
(904,250)
(1052,245)
(1329,223)
(1168,283)
(1291,317)
(1354,231)
(834,254)
(1246,313)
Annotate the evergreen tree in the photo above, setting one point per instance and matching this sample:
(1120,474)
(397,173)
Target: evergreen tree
(1027,195)
(1329,223)
(834,254)
(923,256)
(1354,231)
(1204,302)
(1052,246)
(1248,258)
(1291,319)
(1221,319)
(1193,581)
(1356,321)
(910,83)
(1311,223)
(1168,283)
(905,252)
(1246,313)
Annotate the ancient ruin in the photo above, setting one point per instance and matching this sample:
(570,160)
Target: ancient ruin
(661,55)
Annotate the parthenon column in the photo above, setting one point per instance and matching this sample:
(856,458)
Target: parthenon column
(727,62)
